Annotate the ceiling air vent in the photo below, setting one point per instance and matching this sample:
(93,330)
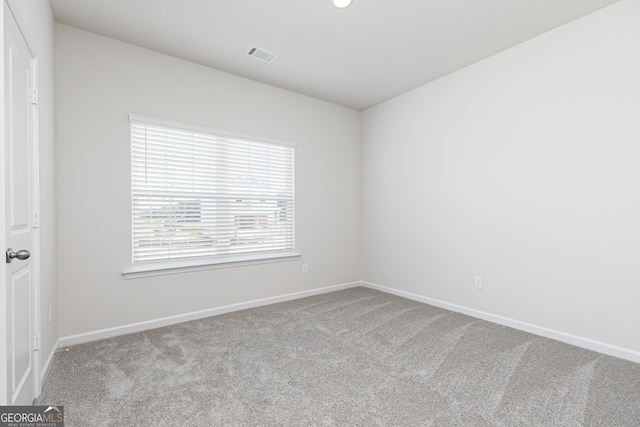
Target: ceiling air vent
(262,55)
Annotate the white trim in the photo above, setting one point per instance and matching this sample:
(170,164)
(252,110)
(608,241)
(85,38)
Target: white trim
(70,340)
(3,238)
(137,118)
(14,6)
(582,342)
(589,344)
(35,228)
(185,266)
(44,373)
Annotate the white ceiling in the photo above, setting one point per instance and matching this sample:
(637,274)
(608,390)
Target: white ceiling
(357,57)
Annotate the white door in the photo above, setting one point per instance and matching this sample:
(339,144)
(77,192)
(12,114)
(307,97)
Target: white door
(19,341)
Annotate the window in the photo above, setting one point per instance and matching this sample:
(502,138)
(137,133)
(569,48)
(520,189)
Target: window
(209,196)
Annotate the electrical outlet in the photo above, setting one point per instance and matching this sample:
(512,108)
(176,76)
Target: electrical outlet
(50,312)
(478,282)
(305,268)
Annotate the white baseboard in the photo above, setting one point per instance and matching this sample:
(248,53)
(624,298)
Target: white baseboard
(44,372)
(47,364)
(70,340)
(578,341)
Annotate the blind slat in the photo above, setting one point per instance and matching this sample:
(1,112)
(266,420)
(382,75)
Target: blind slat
(198,194)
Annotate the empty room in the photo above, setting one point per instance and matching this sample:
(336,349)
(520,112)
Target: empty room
(321,212)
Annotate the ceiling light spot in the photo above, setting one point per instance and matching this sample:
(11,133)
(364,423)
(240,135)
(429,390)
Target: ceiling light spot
(341,3)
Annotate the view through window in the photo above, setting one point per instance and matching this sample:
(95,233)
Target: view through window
(199,192)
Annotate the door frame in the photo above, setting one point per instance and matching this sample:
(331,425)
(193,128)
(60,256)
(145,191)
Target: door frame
(13,8)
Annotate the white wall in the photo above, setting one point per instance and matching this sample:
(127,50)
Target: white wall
(525,169)
(99,81)
(38,19)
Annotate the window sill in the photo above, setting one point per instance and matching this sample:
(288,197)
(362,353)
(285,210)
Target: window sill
(187,266)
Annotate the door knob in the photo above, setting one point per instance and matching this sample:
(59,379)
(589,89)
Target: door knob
(23,254)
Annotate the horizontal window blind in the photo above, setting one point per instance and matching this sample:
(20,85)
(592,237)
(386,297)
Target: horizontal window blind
(203,193)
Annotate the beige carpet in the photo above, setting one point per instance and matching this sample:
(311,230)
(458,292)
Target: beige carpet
(356,357)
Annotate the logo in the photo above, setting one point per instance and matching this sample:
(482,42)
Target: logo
(31,416)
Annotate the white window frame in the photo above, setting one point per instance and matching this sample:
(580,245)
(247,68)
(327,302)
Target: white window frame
(141,268)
